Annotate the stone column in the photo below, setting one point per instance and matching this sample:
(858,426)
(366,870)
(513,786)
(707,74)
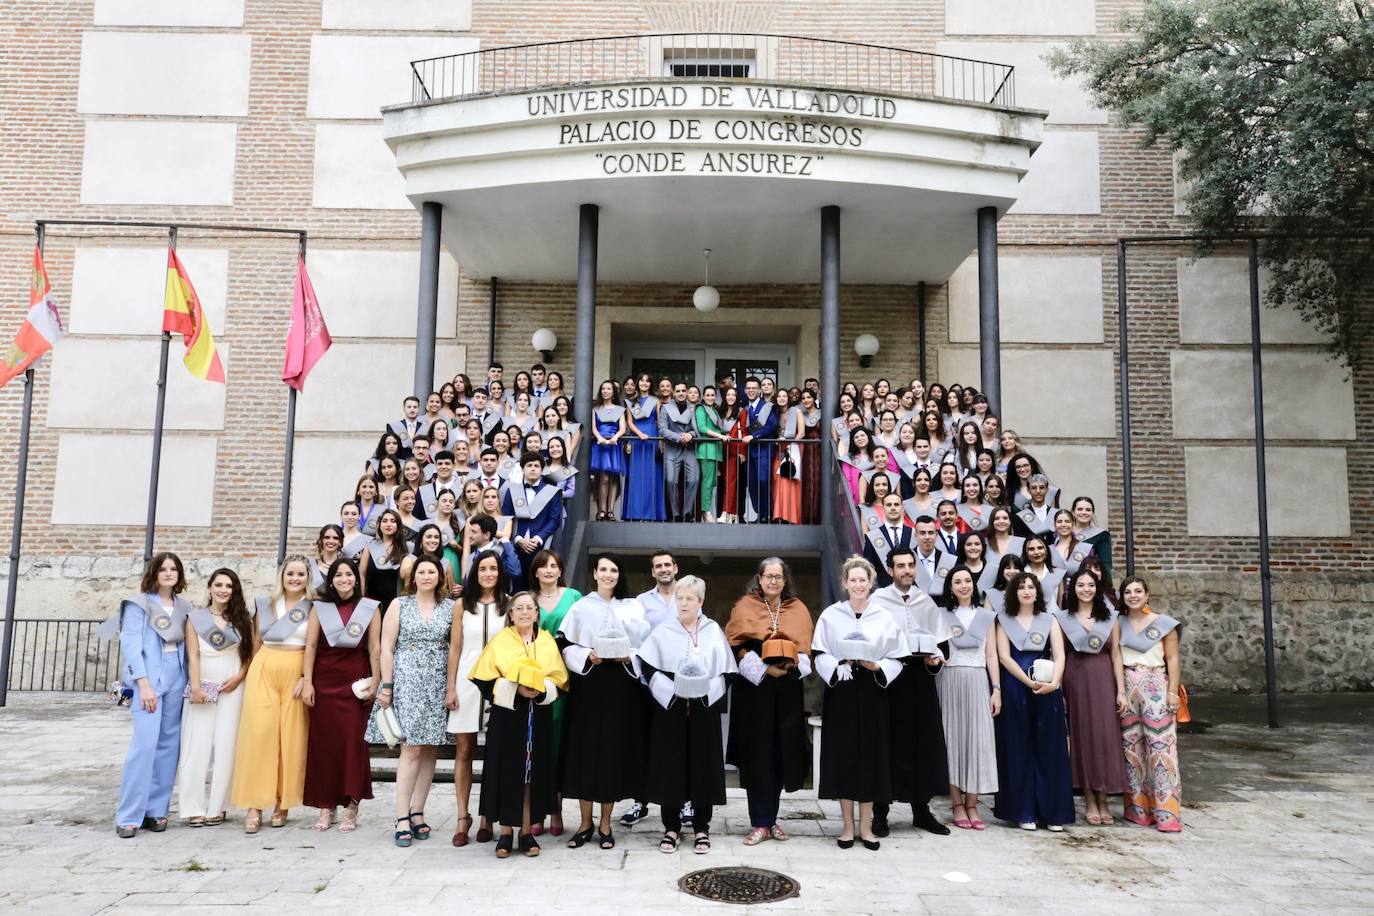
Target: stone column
(989,333)
(427,311)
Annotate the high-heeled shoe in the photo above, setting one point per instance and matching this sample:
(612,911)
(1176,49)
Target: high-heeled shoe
(504,845)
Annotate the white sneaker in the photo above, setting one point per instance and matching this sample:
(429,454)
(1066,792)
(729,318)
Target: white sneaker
(1055,828)
(709,517)
(1029,825)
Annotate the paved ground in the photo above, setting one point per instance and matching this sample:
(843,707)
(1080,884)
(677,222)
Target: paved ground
(1276,822)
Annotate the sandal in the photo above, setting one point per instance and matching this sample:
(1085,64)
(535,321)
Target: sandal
(460,836)
(126,831)
(252,823)
(1107,819)
(350,819)
(756,836)
(278,818)
(216,820)
(1094,819)
(325,820)
(403,837)
(504,845)
(580,838)
(778,834)
(196,822)
(606,840)
(669,842)
(528,845)
(702,844)
(420,828)
(155,824)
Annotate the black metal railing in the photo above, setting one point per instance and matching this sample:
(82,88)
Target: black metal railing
(713,56)
(745,490)
(63,655)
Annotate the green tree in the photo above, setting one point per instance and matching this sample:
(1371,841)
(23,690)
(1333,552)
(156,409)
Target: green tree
(1267,105)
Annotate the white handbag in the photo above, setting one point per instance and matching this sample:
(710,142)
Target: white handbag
(389,726)
(1042,670)
(362,688)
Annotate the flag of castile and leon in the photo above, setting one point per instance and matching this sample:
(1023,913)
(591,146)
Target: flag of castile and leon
(41,329)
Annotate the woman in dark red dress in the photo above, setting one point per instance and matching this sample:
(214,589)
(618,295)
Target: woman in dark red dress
(342,647)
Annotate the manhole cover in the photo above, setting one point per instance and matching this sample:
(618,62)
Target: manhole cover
(739,885)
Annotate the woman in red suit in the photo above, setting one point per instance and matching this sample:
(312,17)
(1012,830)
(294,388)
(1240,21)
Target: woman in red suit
(735,453)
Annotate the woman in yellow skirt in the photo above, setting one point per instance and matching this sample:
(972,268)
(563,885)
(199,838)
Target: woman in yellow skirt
(269,766)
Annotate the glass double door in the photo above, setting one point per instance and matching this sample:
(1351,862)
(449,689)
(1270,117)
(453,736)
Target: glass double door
(705,364)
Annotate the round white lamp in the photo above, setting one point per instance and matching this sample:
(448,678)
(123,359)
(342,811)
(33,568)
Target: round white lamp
(707,297)
(545,341)
(866,345)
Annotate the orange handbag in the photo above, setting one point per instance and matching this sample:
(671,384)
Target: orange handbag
(1183,716)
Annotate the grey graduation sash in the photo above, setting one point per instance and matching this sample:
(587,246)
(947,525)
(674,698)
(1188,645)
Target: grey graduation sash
(1088,641)
(977,632)
(557,475)
(1050,584)
(937,455)
(1087,534)
(846,459)
(681,416)
(1145,640)
(399,428)
(376,552)
(987,577)
(914,511)
(838,425)
(491,419)
(878,537)
(338,634)
(1036,639)
(868,517)
(905,466)
(609,413)
(1014,547)
(712,414)
(218,637)
(284,628)
(530,507)
(727,424)
(976,521)
(1028,517)
(170,627)
(1077,555)
(640,411)
(764,413)
(996,599)
(355,549)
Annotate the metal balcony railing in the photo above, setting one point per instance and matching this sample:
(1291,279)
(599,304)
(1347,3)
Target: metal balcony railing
(713,56)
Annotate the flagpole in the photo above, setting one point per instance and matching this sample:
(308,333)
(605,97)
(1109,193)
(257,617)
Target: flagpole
(157,428)
(290,456)
(17,523)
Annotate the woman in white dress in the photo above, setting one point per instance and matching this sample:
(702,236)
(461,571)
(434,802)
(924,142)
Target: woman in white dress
(481,614)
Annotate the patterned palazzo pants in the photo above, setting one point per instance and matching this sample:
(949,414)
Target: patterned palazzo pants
(1155,795)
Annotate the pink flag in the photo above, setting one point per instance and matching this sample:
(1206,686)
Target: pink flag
(308,338)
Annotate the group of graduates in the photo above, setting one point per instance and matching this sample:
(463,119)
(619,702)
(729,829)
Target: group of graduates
(981,648)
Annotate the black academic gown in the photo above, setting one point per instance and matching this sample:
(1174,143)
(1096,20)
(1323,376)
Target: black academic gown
(603,734)
(686,757)
(503,766)
(768,728)
(920,765)
(856,746)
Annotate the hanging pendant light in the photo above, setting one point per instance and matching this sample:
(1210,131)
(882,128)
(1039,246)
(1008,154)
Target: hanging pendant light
(707,297)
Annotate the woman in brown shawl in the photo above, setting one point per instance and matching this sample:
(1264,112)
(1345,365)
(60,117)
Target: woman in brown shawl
(770,633)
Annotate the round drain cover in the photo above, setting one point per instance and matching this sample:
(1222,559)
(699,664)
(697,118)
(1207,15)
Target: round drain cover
(738,884)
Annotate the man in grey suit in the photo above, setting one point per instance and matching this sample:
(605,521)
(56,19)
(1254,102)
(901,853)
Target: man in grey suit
(677,425)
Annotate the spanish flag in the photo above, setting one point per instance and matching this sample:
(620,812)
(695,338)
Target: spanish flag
(41,328)
(182,314)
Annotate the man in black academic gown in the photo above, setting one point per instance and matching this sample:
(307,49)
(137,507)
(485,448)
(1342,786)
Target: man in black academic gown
(537,506)
(919,762)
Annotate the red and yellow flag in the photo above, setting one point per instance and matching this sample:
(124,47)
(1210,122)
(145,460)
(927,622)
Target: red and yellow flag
(41,328)
(182,314)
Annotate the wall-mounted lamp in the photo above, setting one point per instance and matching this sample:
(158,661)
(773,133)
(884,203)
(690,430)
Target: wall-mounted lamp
(545,341)
(866,345)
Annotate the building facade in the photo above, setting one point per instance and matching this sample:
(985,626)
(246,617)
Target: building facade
(243,112)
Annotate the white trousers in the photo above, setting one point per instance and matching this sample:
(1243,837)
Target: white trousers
(209,732)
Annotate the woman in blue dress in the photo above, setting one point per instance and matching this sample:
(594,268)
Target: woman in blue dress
(644,478)
(1033,776)
(608,456)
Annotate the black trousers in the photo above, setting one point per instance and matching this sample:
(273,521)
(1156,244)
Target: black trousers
(701,818)
(880,809)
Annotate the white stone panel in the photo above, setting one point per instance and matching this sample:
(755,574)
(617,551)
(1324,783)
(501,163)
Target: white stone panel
(1020,17)
(112,384)
(159,162)
(223,13)
(1041,300)
(1214,306)
(1036,87)
(103,480)
(1306,395)
(324,473)
(150,73)
(353,76)
(120,290)
(1055,394)
(399,15)
(359,387)
(1064,175)
(1080,470)
(1308,492)
(354,169)
(372,294)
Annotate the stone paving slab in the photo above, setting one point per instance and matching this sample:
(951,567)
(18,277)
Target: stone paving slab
(1276,822)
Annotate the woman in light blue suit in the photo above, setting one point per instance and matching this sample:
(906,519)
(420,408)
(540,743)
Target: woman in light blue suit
(152,635)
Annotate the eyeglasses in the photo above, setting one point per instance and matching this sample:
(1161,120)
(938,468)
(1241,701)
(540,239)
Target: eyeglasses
(772,577)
